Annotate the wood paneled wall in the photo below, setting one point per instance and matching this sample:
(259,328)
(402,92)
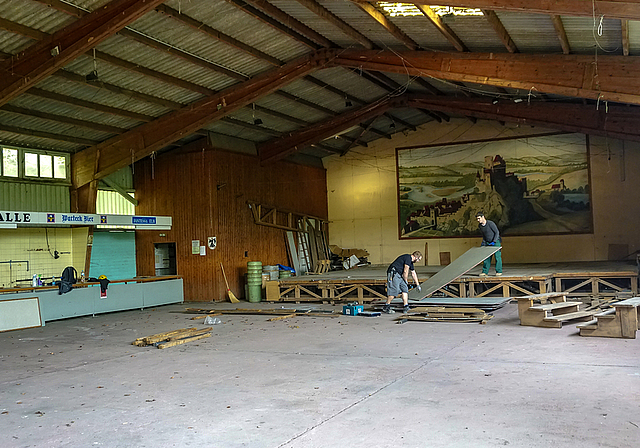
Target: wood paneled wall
(206,192)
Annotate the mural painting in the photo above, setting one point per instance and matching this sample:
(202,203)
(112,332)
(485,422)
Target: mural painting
(527,186)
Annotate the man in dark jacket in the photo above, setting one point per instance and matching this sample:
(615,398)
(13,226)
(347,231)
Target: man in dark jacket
(490,237)
(398,279)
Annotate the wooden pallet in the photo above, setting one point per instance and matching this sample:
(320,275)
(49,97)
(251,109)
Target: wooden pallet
(550,310)
(621,321)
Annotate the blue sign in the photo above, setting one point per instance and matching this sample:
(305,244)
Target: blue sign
(143,220)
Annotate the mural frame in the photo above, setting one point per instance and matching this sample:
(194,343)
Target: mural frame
(440,187)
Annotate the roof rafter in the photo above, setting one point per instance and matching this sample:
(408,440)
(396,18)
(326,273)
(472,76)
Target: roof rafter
(388,25)
(562,35)
(442,27)
(111,155)
(279,148)
(47,56)
(615,121)
(568,75)
(291,22)
(327,15)
(618,122)
(266,18)
(624,26)
(500,30)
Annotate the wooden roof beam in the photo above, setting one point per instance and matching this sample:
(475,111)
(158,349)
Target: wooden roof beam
(327,15)
(266,18)
(279,148)
(389,26)
(363,129)
(47,56)
(617,121)
(38,35)
(562,35)
(442,27)
(500,30)
(619,9)
(109,156)
(291,22)
(624,26)
(567,75)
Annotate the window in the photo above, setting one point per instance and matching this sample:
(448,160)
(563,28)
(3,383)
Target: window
(34,164)
(9,162)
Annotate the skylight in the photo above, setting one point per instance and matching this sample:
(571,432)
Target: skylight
(409,10)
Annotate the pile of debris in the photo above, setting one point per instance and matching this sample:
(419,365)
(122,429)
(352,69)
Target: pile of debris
(173,338)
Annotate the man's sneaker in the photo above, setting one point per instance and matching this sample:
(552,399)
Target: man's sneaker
(498,274)
(483,274)
(406,309)
(387,309)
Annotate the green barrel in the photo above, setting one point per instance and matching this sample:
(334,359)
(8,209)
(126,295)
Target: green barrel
(285,274)
(254,281)
(254,293)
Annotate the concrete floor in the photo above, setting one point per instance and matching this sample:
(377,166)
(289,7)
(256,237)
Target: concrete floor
(316,382)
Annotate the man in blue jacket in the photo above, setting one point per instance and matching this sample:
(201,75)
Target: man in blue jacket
(490,237)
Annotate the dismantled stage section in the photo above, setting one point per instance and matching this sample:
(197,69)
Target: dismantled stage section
(590,281)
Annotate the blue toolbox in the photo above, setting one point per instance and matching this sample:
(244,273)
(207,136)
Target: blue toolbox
(352,310)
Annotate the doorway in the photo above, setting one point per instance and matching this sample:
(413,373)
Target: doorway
(165,256)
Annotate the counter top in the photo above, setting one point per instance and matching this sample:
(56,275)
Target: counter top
(85,284)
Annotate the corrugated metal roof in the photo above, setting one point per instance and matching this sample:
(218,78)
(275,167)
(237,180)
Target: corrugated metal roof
(32,141)
(58,108)
(584,38)
(34,15)
(40,124)
(232,21)
(423,32)
(316,23)
(532,33)
(364,23)
(11,43)
(476,33)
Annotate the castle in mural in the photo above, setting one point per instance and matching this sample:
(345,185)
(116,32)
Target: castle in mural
(540,194)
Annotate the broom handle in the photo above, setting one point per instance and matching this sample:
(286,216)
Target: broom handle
(225,277)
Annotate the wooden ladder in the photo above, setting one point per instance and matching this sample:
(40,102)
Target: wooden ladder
(621,321)
(552,310)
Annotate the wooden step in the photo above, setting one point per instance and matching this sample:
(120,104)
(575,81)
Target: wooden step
(569,316)
(591,325)
(554,306)
(608,313)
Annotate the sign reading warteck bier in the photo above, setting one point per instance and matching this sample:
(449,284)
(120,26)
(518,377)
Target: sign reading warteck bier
(12,219)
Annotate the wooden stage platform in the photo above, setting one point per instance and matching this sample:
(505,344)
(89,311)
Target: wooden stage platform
(586,281)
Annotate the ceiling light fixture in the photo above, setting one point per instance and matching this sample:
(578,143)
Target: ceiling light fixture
(256,121)
(347,103)
(93,75)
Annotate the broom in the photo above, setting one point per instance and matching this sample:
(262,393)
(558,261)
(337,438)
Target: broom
(232,297)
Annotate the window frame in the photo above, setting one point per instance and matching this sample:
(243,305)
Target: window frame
(22,176)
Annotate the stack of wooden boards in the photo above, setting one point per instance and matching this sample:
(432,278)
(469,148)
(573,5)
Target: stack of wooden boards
(445,314)
(173,338)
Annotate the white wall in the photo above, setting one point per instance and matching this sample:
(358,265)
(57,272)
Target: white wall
(363,203)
